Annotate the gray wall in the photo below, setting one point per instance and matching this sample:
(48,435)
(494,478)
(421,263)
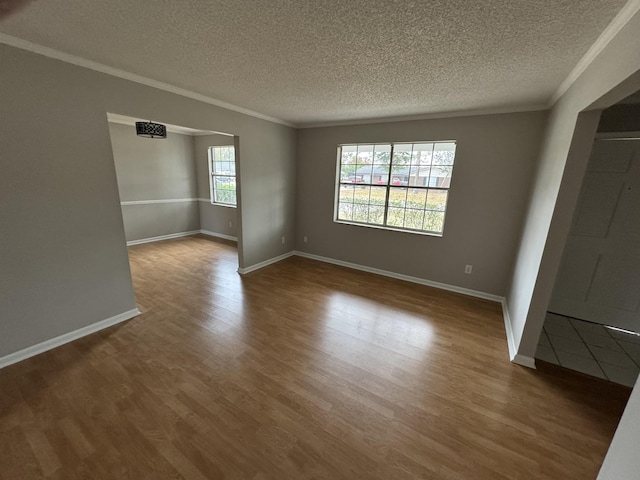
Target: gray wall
(213,218)
(63,260)
(155,169)
(270,189)
(556,185)
(613,75)
(495,158)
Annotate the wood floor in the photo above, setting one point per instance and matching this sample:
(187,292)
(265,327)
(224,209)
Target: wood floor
(301,370)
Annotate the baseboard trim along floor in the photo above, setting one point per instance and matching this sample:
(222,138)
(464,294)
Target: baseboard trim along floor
(65,338)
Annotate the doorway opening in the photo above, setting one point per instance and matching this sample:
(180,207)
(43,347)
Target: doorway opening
(593,319)
(165,185)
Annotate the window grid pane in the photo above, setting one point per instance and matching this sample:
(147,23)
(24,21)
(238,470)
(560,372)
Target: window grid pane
(223,175)
(398,197)
(399,186)
(395,217)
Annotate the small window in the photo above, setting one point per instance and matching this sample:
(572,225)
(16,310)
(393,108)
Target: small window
(222,167)
(395,186)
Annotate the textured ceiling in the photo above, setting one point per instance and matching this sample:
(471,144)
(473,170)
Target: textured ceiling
(306,61)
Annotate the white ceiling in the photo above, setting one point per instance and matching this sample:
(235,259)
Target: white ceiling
(314,61)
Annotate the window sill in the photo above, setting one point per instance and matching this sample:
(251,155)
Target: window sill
(223,205)
(401,230)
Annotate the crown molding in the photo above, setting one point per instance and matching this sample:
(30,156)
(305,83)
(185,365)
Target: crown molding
(115,72)
(98,67)
(402,276)
(617,24)
(429,116)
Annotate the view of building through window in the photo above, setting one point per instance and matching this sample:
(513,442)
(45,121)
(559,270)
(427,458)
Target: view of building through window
(399,186)
(222,167)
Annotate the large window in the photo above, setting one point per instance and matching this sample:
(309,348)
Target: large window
(222,167)
(397,186)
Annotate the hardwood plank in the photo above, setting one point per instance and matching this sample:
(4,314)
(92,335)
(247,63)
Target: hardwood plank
(300,370)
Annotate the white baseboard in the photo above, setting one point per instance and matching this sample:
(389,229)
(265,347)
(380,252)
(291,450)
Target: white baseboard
(514,356)
(525,361)
(260,265)
(219,235)
(181,234)
(65,338)
(162,237)
(406,278)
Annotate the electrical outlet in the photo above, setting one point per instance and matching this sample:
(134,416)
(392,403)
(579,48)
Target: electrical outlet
(231,224)
(283,240)
(468,269)
(304,239)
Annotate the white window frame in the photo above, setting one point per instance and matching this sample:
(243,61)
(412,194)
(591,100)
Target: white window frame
(388,186)
(213,175)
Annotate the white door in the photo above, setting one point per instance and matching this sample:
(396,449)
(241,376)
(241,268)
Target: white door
(599,277)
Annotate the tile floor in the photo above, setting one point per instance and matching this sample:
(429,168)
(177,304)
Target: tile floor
(590,348)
